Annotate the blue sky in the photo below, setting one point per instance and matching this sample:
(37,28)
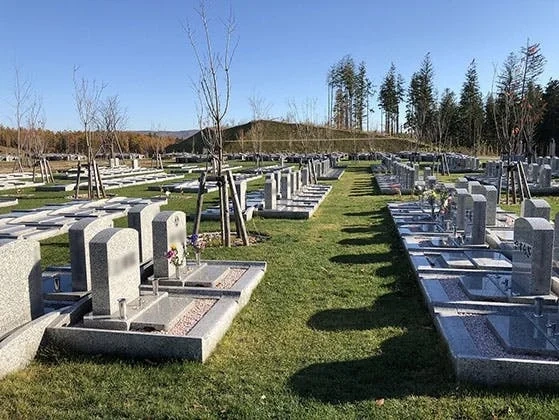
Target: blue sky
(139,49)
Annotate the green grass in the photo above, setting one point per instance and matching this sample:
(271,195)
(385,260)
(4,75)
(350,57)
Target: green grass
(336,323)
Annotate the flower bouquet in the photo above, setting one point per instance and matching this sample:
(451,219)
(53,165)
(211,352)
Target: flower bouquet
(177,258)
(198,244)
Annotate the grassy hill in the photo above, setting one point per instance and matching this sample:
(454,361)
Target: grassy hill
(274,136)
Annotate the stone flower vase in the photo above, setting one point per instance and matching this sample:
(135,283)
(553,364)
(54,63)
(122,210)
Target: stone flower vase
(197,256)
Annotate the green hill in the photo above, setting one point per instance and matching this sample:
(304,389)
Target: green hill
(274,136)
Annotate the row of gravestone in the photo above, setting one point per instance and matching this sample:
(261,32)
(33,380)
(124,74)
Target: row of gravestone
(104,260)
(287,183)
(408,174)
(540,174)
(536,241)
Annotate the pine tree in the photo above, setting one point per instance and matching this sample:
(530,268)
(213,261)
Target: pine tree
(421,100)
(549,125)
(390,95)
(471,109)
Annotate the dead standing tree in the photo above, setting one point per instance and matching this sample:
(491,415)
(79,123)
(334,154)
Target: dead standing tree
(112,120)
(87,95)
(214,91)
(22,96)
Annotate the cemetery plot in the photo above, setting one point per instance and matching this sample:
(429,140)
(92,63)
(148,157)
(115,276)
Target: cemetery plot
(495,308)
(52,220)
(17,180)
(103,303)
(539,175)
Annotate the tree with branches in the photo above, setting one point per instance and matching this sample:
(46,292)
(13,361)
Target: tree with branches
(213,89)
(22,96)
(87,95)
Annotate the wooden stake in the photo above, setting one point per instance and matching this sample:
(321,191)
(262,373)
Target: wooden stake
(227,215)
(76,195)
(240,221)
(199,203)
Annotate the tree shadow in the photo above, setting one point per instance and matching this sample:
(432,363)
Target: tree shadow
(402,366)
(380,238)
(368,258)
(357,229)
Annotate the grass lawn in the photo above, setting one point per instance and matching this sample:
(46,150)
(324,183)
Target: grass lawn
(336,329)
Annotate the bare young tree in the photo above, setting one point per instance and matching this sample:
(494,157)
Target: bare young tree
(87,95)
(35,141)
(112,120)
(260,111)
(21,103)
(214,88)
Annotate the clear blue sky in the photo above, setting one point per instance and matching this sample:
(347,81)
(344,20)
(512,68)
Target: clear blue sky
(139,48)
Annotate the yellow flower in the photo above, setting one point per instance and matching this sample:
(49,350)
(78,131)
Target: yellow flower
(173,247)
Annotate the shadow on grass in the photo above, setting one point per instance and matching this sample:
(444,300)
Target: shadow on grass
(403,366)
(368,258)
(364,241)
(358,229)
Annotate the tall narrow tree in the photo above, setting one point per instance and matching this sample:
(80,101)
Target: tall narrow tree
(471,110)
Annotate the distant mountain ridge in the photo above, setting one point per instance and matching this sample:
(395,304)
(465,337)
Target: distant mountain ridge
(182,134)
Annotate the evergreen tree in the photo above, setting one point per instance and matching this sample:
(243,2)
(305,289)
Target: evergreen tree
(391,93)
(489,127)
(445,116)
(348,93)
(549,126)
(471,110)
(421,100)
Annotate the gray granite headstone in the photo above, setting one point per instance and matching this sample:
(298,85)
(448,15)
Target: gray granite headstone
(304,177)
(490,194)
(79,235)
(116,272)
(532,258)
(140,218)
(427,172)
(556,242)
(292,183)
(241,187)
(169,228)
(285,186)
(477,188)
(461,194)
(461,183)
(535,207)
(270,194)
(135,164)
(473,185)
(476,207)
(21,294)
(544,180)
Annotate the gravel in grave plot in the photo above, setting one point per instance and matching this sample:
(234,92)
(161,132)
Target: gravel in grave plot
(232,276)
(191,318)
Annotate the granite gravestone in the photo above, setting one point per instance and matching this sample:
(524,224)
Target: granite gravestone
(169,228)
(490,194)
(292,183)
(241,188)
(304,177)
(286,186)
(140,218)
(116,272)
(474,219)
(473,185)
(544,179)
(21,297)
(79,235)
(535,207)
(461,183)
(532,258)
(270,194)
(460,196)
